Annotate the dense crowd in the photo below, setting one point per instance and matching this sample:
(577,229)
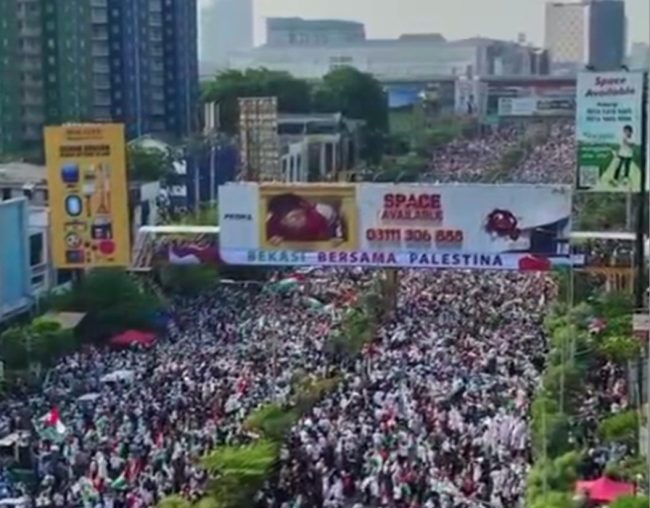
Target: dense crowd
(138,421)
(553,161)
(435,413)
(550,159)
(435,408)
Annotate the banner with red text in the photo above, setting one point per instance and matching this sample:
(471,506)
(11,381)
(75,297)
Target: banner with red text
(517,227)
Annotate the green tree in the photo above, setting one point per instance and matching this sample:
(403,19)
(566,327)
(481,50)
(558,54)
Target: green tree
(620,349)
(188,279)
(174,502)
(239,472)
(598,212)
(147,164)
(356,95)
(621,428)
(631,502)
(112,301)
(48,341)
(13,348)
(293,94)
(556,475)
(554,500)
(273,421)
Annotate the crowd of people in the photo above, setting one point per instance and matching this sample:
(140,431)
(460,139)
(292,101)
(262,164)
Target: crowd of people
(135,423)
(435,409)
(549,159)
(435,412)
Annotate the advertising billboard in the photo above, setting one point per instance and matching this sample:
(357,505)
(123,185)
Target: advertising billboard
(520,227)
(15,275)
(159,246)
(86,175)
(536,106)
(608,131)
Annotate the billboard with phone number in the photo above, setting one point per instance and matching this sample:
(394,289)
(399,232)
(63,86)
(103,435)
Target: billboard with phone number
(86,178)
(608,131)
(515,227)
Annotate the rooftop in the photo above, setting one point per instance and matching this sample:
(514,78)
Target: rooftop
(22,173)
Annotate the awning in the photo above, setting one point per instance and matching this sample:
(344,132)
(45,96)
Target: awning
(134,338)
(604,490)
(67,320)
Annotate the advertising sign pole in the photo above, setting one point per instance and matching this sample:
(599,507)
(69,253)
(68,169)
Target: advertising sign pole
(639,281)
(641,212)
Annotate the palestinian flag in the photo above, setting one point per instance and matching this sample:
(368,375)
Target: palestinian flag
(51,427)
(120,483)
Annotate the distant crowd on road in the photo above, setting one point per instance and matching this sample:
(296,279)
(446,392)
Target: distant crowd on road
(552,160)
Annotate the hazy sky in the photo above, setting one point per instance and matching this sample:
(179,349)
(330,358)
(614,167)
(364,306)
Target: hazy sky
(453,18)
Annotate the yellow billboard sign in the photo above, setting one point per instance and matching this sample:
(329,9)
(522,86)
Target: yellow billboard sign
(88,195)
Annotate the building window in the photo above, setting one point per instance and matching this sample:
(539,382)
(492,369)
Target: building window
(36,250)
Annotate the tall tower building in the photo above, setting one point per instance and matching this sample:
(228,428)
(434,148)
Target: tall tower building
(606,34)
(226,26)
(564,32)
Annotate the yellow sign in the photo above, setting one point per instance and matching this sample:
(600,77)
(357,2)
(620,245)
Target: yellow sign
(88,195)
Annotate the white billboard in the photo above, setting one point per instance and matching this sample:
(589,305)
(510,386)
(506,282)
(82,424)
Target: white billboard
(523,227)
(536,106)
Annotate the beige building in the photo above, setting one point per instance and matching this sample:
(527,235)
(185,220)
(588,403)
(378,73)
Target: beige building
(565,31)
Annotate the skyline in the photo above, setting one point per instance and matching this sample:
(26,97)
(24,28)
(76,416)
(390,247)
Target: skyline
(389,18)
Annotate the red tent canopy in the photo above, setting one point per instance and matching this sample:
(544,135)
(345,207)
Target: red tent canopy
(134,337)
(604,490)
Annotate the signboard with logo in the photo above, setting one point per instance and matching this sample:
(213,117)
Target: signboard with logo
(536,106)
(86,175)
(608,131)
(523,227)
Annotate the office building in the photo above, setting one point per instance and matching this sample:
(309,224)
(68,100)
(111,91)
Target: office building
(407,58)
(226,26)
(564,32)
(312,32)
(606,34)
(131,61)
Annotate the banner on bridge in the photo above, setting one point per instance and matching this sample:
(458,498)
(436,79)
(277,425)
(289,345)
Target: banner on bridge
(517,227)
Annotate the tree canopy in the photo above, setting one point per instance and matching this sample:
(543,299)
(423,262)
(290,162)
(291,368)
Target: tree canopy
(346,90)
(147,164)
(294,95)
(112,301)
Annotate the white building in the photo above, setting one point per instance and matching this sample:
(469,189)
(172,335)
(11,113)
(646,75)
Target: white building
(317,147)
(225,26)
(565,32)
(408,58)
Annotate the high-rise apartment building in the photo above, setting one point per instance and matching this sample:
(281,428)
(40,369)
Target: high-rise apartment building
(131,61)
(226,26)
(10,78)
(564,31)
(149,81)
